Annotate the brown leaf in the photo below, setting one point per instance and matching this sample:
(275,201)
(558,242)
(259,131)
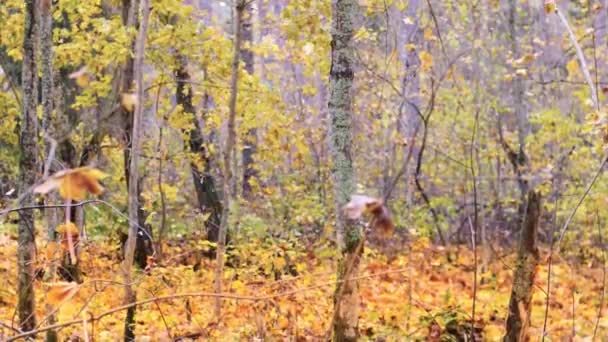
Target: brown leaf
(73,183)
(358,205)
(61,291)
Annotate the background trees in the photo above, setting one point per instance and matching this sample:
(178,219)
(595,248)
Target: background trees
(456,114)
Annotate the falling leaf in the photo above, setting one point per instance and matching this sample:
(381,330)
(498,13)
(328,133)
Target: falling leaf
(428,34)
(521,72)
(525,60)
(308,48)
(410,47)
(572,67)
(550,6)
(61,291)
(81,76)
(128,101)
(426,60)
(358,205)
(69,238)
(50,250)
(73,183)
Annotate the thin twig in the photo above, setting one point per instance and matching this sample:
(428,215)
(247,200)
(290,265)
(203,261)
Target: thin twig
(581,199)
(581,58)
(603,247)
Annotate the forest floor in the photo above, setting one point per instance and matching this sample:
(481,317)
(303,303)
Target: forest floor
(415,294)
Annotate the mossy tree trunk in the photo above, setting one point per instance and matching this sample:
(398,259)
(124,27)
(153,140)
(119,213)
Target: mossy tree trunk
(28,167)
(346,302)
(520,304)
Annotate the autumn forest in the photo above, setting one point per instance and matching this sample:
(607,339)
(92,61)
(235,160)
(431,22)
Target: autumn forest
(306,170)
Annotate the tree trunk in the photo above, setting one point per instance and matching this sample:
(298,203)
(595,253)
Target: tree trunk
(520,304)
(28,167)
(228,149)
(346,303)
(204,182)
(134,205)
(143,246)
(250,143)
(46,52)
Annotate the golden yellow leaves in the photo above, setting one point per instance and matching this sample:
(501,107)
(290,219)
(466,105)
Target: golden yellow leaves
(426,60)
(61,291)
(73,183)
(550,6)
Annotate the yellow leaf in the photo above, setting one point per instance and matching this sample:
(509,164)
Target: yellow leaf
(550,6)
(61,291)
(279,263)
(428,34)
(128,102)
(51,249)
(426,60)
(572,67)
(81,76)
(521,72)
(524,60)
(66,228)
(410,47)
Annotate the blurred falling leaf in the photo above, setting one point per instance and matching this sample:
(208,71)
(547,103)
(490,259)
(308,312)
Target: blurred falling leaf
(73,183)
(50,250)
(524,60)
(128,101)
(426,60)
(521,72)
(81,76)
(572,67)
(359,205)
(61,291)
(69,237)
(550,6)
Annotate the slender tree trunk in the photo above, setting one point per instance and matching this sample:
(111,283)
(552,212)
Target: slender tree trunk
(134,205)
(250,143)
(346,303)
(46,52)
(204,181)
(520,304)
(28,167)
(143,246)
(228,150)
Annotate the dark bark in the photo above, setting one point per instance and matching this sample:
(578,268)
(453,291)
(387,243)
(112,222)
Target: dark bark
(28,166)
(520,304)
(204,181)
(250,143)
